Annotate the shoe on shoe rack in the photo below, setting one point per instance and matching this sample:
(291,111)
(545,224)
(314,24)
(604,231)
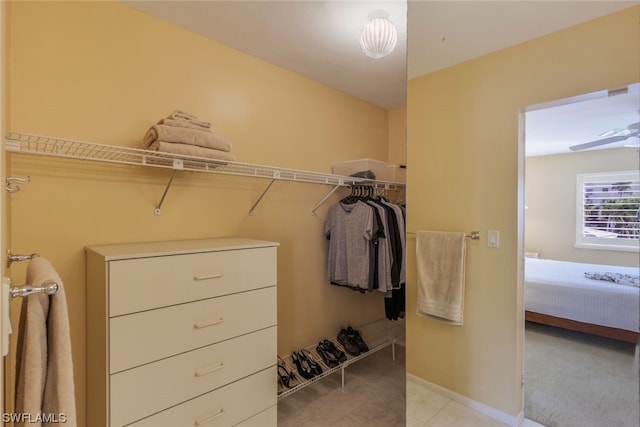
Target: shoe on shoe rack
(357,339)
(285,377)
(308,358)
(331,348)
(329,357)
(347,342)
(303,366)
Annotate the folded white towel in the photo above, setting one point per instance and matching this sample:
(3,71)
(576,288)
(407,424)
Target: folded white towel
(191,150)
(440,259)
(184,135)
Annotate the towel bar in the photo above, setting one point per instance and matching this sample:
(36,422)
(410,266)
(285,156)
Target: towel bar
(474,235)
(17,258)
(48,288)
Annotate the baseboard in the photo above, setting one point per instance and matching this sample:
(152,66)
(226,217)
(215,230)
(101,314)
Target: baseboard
(463,400)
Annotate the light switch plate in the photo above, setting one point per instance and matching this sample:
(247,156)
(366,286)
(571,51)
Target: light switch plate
(493,238)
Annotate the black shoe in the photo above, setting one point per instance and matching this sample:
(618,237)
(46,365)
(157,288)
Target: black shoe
(285,377)
(337,353)
(303,366)
(345,339)
(357,339)
(315,366)
(329,358)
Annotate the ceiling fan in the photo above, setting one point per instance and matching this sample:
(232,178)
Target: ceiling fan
(610,136)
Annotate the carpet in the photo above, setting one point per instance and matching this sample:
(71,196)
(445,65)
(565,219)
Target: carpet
(579,380)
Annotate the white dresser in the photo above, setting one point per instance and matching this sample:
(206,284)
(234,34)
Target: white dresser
(182,333)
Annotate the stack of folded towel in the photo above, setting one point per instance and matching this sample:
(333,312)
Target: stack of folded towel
(183,133)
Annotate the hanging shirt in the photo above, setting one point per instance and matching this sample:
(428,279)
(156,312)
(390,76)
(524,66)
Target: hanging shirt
(383,261)
(350,229)
(401,228)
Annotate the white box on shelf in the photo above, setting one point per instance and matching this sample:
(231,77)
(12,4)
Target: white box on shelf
(364,168)
(396,173)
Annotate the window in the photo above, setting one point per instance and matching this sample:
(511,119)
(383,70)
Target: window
(608,211)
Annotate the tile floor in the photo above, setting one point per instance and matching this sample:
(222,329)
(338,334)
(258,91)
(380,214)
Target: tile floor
(374,396)
(426,408)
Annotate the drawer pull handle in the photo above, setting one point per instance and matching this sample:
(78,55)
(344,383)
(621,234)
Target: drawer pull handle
(201,325)
(204,420)
(204,371)
(208,276)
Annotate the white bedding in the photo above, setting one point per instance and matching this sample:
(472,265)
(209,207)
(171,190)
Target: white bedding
(559,288)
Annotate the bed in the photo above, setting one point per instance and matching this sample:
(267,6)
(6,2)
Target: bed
(557,293)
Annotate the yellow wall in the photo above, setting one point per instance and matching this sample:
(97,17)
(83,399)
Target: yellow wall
(550,227)
(397,136)
(463,138)
(102,72)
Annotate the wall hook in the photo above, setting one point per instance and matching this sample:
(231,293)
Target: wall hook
(18,258)
(14,183)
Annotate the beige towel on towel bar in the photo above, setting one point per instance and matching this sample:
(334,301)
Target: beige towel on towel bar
(44,384)
(440,259)
(191,150)
(200,138)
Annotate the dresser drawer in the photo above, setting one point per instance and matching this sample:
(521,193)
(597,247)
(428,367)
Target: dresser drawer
(224,407)
(152,335)
(168,382)
(266,418)
(147,283)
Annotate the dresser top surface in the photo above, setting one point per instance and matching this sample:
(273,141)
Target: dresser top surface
(175,247)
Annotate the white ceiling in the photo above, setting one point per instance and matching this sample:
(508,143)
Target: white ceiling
(319,39)
(552,129)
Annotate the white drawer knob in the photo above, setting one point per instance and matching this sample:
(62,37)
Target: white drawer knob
(204,420)
(204,371)
(207,276)
(200,325)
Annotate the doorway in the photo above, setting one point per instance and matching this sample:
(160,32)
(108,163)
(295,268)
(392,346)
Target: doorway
(581,348)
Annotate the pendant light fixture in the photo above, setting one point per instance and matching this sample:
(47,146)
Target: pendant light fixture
(378,38)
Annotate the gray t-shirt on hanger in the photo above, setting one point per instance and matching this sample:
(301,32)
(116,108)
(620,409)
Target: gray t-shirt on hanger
(349,228)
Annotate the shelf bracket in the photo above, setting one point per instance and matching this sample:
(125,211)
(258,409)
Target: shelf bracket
(324,199)
(261,196)
(156,212)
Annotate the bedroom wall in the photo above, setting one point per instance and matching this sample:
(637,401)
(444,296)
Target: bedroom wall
(463,175)
(550,220)
(102,72)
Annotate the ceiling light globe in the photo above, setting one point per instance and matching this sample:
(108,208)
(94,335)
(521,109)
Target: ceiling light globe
(378,38)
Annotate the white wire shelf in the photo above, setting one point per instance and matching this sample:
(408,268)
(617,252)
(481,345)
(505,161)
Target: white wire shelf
(26,143)
(74,149)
